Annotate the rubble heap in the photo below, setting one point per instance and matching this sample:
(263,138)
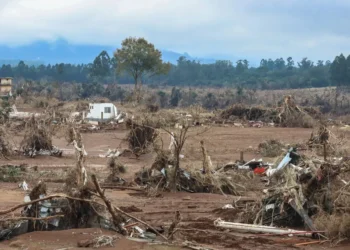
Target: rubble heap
(38,139)
(302,192)
(287,115)
(140,136)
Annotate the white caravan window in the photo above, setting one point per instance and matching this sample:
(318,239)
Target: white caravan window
(108,110)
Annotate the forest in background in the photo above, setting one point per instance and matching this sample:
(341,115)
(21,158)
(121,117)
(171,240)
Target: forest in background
(271,74)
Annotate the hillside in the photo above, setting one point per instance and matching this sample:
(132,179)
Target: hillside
(61,51)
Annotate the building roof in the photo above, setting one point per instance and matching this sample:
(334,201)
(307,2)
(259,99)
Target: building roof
(6,77)
(102,103)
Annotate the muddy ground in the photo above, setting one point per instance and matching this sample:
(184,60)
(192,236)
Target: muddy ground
(224,144)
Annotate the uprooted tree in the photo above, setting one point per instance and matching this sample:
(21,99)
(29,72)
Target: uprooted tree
(178,139)
(74,137)
(141,136)
(38,137)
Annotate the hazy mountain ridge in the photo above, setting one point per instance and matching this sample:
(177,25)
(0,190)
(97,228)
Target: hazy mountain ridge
(61,51)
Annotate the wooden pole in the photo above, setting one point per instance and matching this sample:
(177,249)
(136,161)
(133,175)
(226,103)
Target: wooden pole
(242,157)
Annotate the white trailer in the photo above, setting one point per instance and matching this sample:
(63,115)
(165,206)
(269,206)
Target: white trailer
(102,111)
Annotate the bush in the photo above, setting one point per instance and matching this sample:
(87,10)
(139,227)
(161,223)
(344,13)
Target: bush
(175,97)
(271,148)
(10,173)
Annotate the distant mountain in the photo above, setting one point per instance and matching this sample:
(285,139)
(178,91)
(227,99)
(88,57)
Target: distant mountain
(61,51)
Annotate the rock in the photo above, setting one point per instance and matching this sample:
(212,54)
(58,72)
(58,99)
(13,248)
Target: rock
(85,243)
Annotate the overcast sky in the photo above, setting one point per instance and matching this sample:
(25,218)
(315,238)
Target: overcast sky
(318,29)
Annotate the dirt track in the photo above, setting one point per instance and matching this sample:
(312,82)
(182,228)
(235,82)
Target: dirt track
(197,210)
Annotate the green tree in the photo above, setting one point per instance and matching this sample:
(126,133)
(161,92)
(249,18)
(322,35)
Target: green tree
(139,58)
(305,64)
(271,64)
(338,70)
(5,111)
(175,97)
(348,70)
(290,63)
(280,64)
(320,63)
(22,69)
(210,101)
(163,99)
(240,67)
(101,67)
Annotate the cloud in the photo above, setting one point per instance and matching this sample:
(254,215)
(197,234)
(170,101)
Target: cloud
(224,28)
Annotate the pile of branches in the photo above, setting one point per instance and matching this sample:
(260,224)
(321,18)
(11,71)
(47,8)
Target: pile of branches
(195,181)
(333,198)
(65,211)
(288,115)
(140,137)
(38,139)
(190,181)
(325,143)
(291,115)
(319,138)
(248,113)
(115,168)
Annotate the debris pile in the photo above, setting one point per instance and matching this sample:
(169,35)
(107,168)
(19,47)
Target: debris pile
(302,192)
(291,115)
(205,180)
(38,139)
(240,111)
(288,115)
(45,212)
(140,136)
(115,168)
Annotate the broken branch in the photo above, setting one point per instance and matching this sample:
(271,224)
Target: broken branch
(112,208)
(43,199)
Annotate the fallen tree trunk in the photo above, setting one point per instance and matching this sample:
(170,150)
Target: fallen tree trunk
(122,188)
(117,220)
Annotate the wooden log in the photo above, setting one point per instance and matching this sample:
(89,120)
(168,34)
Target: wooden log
(33,218)
(122,188)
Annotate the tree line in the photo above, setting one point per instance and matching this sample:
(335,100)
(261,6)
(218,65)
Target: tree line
(130,66)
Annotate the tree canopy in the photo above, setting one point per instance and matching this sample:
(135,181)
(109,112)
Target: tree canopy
(139,59)
(101,67)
